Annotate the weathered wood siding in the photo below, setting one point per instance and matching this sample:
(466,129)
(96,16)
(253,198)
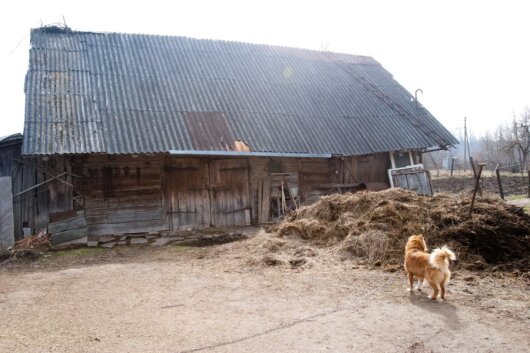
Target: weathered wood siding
(366,169)
(132,194)
(316,172)
(187,187)
(123,194)
(203,192)
(229,192)
(31,209)
(72,227)
(260,172)
(310,174)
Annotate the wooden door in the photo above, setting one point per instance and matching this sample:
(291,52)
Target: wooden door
(229,193)
(188,201)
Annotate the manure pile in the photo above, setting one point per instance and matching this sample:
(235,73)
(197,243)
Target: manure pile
(375,226)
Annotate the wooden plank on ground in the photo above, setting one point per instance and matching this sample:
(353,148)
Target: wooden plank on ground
(74,223)
(265,201)
(68,235)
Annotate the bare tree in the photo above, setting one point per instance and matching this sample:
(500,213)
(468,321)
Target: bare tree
(519,141)
(435,160)
(494,148)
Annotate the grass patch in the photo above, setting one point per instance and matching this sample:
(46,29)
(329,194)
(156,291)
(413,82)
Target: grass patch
(514,197)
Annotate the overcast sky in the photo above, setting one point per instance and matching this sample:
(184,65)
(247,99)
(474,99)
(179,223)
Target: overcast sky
(470,58)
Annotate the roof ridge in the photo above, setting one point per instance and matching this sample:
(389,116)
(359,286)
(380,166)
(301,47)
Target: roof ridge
(67,30)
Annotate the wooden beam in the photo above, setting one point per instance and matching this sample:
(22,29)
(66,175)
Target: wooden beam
(42,169)
(392,160)
(40,184)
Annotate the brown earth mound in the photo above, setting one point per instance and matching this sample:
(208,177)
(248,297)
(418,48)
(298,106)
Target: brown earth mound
(375,226)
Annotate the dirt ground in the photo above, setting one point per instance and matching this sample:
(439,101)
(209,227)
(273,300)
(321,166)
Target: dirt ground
(512,184)
(224,298)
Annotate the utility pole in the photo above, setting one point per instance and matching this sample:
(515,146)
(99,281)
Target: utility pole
(465,143)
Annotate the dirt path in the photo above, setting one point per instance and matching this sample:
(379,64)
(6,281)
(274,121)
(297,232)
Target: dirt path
(211,299)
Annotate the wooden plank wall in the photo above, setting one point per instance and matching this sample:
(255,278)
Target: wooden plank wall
(123,194)
(260,169)
(229,192)
(187,195)
(126,194)
(316,172)
(312,172)
(22,206)
(71,228)
(32,208)
(366,169)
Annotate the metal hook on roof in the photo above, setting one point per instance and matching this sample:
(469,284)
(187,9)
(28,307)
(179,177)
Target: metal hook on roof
(416,96)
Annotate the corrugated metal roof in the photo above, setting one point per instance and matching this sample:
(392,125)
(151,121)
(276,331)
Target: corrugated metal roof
(130,93)
(10,138)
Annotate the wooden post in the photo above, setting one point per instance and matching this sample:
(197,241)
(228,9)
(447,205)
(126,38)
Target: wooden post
(392,160)
(284,204)
(480,166)
(452,165)
(472,163)
(501,192)
(528,189)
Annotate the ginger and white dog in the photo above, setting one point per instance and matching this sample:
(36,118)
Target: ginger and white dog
(433,267)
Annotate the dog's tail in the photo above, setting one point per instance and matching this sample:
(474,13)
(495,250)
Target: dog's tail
(440,257)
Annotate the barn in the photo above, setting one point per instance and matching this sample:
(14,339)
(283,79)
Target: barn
(134,133)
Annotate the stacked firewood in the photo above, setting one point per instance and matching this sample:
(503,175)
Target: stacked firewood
(36,241)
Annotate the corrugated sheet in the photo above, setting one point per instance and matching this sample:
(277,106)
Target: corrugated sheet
(122,93)
(10,138)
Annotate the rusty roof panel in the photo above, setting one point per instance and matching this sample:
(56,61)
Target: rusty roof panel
(209,131)
(129,93)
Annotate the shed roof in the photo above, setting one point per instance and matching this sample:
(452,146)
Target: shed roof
(13,138)
(132,93)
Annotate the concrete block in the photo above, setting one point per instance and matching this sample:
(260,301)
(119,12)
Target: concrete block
(106,239)
(138,241)
(161,241)
(7,226)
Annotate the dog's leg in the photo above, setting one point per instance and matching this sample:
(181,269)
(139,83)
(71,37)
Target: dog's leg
(411,281)
(442,287)
(420,283)
(434,287)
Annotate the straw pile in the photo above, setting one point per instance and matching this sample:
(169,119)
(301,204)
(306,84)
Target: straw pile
(375,226)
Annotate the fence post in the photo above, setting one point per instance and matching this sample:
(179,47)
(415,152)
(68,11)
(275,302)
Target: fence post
(475,173)
(528,188)
(480,166)
(501,192)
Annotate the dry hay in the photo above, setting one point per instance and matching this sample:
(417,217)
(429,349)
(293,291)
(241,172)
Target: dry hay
(375,226)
